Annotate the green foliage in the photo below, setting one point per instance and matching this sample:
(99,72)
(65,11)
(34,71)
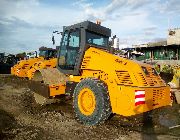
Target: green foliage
(167,69)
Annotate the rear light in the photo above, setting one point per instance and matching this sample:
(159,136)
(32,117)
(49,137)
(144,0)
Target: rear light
(139,97)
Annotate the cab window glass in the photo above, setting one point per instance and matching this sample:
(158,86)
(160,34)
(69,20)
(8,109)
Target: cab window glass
(96,39)
(69,50)
(74,39)
(65,39)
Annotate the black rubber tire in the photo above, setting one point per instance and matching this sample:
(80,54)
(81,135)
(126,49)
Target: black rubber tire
(102,109)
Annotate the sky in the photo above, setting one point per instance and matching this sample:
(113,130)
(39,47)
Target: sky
(26,25)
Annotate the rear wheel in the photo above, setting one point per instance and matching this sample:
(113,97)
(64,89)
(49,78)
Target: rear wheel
(91,101)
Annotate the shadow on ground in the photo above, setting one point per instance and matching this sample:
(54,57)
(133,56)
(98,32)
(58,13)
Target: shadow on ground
(7,123)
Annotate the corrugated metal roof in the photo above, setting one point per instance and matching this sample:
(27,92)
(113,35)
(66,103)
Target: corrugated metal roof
(151,44)
(156,44)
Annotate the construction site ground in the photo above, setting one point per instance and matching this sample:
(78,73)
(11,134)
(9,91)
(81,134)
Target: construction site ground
(22,119)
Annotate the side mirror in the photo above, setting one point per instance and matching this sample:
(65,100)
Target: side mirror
(55,31)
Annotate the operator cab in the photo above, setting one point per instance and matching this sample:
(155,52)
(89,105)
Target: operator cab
(76,39)
(47,53)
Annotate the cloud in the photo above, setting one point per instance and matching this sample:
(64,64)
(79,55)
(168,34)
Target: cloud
(122,7)
(149,31)
(135,4)
(29,24)
(169,6)
(15,22)
(37,13)
(17,35)
(17,8)
(158,39)
(123,17)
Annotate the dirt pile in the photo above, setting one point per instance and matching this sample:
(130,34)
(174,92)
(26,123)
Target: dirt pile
(22,118)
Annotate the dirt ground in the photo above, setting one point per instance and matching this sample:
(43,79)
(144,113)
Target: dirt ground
(22,119)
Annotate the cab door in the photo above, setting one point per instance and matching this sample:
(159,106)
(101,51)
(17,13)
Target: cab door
(69,51)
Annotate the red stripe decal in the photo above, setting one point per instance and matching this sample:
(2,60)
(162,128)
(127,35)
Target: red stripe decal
(140,102)
(139,90)
(140,96)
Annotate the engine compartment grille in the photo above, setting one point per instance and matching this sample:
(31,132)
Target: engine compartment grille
(158,94)
(141,80)
(153,79)
(124,78)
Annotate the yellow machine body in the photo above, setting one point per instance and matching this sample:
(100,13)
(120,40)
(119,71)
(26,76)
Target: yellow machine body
(51,63)
(124,79)
(22,67)
(100,82)
(26,68)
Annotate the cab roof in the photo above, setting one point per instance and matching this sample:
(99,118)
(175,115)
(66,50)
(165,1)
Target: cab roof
(90,26)
(46,49)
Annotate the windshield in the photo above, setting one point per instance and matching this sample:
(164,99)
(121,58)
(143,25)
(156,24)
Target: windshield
(52,53)
(96,39)
(42,53)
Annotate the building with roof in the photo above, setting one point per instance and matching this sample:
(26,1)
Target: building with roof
(163,50)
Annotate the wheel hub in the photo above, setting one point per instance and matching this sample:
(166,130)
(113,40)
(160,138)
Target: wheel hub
(86,101)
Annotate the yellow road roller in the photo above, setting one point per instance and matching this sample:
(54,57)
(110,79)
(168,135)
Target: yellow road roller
(47,57)
(100,83)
